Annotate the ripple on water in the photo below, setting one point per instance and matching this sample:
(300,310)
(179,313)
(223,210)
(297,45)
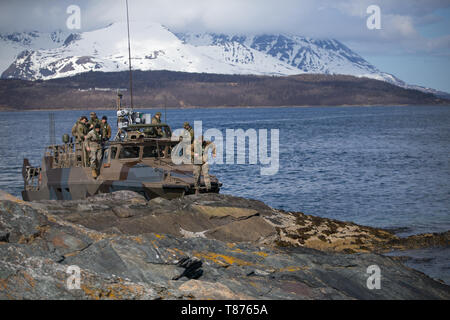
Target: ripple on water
(381,166)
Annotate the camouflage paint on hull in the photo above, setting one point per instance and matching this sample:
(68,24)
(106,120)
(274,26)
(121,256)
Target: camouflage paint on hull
(77,183)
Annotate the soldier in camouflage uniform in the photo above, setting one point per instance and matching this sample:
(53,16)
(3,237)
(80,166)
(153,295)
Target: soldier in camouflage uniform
(189,129)
(200,160)
(74,128)
(94,147)
(105,129)
(80,130)
(157,120)
(94,120)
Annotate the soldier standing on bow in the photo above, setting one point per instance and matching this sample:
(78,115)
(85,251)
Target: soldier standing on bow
(189,129)
(94,147)
(157,120)
(200,160)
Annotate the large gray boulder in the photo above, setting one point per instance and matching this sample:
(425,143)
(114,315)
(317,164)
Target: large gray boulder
(197,247)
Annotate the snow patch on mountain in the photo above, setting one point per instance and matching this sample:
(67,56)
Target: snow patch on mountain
(13,44)
(35,55)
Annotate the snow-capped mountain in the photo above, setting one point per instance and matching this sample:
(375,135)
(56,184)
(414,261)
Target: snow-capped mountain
(34,56)
(14,43)
(306,55)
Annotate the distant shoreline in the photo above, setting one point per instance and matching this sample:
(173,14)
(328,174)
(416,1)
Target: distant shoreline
(218,107)
(192,90)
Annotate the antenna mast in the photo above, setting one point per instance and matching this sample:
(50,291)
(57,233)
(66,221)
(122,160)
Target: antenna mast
(129,59)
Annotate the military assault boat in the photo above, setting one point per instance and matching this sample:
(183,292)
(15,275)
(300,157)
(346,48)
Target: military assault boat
(137,159)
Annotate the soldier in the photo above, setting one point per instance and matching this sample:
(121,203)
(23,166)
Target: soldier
(189,129)
(94,120)
(157,120)
(81,129)
(74,128)
(105,129)
(200,159)
(94,147)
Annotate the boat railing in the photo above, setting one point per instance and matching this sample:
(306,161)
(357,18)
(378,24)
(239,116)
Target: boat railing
(68,155)
(33,178)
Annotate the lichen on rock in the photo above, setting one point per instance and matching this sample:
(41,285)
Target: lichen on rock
(210,246)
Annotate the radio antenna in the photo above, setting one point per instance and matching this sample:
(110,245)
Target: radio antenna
(129,59)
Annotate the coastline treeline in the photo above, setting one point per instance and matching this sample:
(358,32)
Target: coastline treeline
(97,90)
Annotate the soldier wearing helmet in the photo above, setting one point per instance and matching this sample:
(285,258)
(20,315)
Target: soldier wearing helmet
(93,121)
(94,147)
(189,130)
(200,161)
(157,120)
(80,129)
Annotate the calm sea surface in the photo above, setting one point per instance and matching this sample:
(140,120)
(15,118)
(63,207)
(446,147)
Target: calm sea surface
(380,166)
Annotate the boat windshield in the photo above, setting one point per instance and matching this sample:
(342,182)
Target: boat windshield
(129,152)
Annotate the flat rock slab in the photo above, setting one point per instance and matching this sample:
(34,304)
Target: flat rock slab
(220,212)
(203,253)
(252,229)
(216,215)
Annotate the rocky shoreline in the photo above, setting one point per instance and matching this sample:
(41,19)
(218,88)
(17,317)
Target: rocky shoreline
(210,246)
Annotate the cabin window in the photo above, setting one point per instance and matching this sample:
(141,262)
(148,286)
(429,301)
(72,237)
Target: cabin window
(113,152)
(150,152)
(129,152)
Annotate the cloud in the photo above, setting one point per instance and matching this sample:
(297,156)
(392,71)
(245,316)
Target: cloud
(339,19)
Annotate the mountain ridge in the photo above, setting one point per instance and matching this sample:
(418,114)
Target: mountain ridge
(264,54)
(155,47)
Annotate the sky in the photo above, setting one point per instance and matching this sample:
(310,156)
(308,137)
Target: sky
(413,41)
